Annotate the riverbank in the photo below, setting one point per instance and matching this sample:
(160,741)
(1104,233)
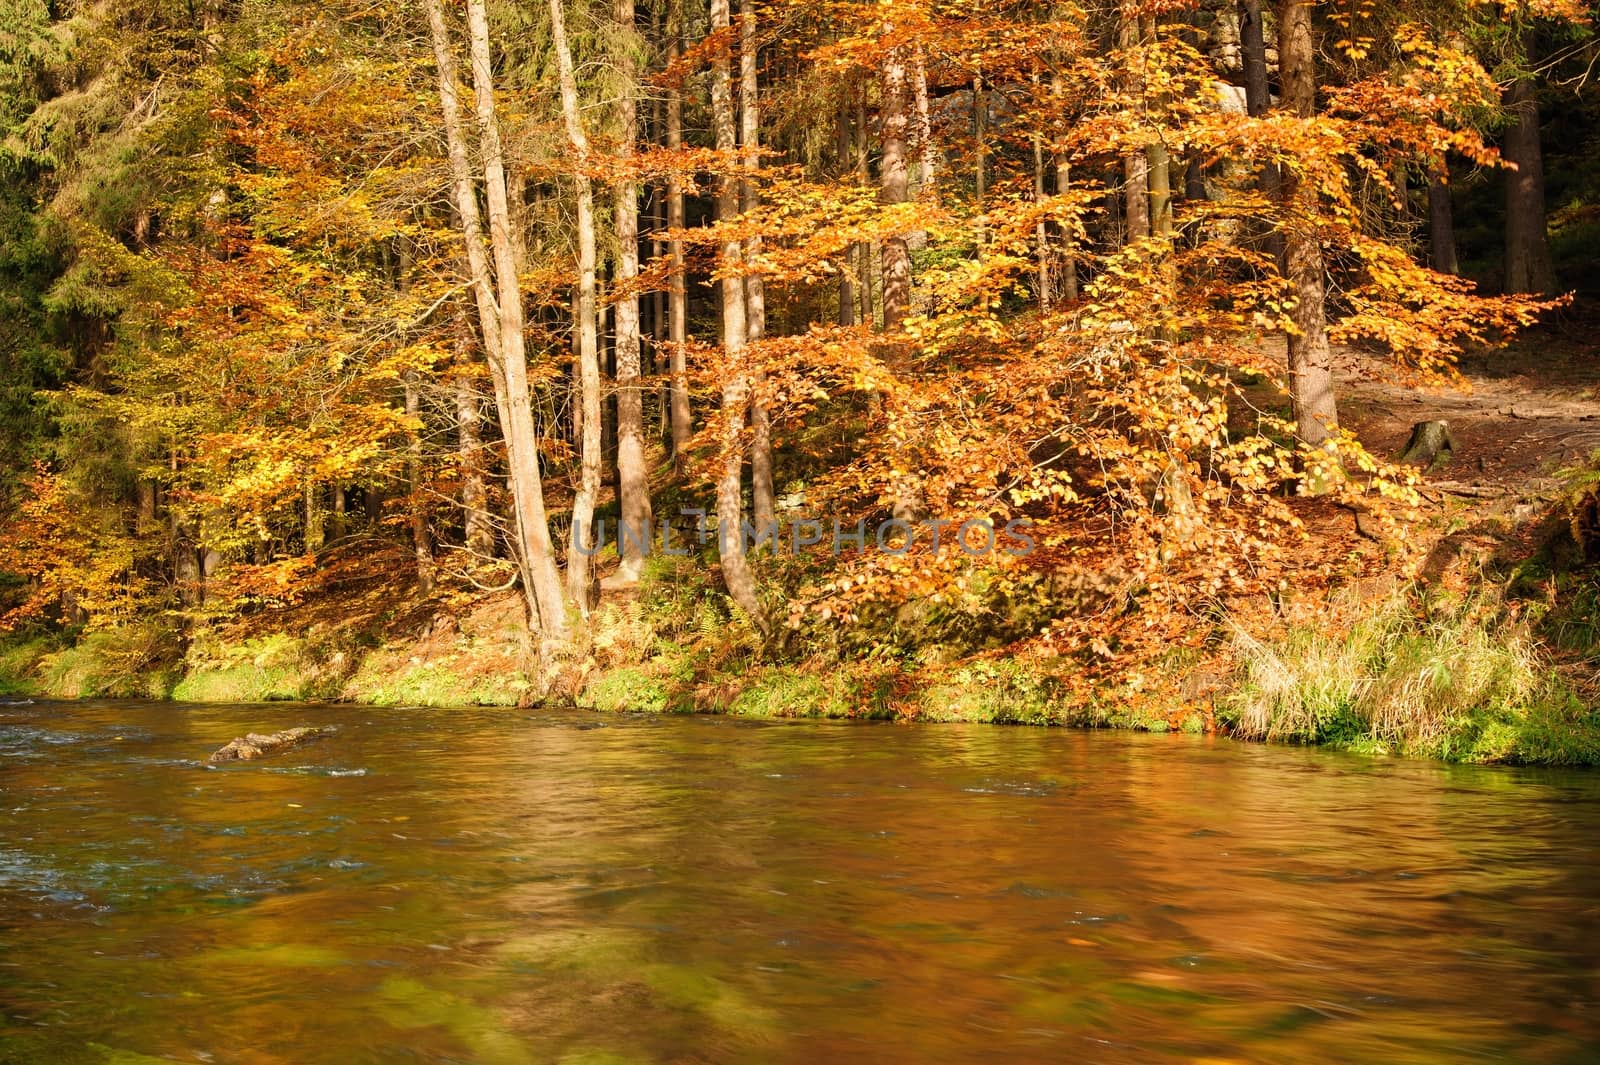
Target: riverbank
(1470,633)
(1489,671)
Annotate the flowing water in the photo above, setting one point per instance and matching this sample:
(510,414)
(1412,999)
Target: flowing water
(505,887)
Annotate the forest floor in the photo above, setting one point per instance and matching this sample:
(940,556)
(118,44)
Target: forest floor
(1521,420)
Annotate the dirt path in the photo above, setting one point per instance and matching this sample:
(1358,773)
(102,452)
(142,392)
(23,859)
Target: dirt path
(1525,412)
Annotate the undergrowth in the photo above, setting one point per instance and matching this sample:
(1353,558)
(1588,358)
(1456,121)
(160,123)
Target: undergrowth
(1462,681)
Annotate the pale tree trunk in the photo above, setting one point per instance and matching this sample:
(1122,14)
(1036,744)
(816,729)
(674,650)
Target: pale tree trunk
(583,503)
(1069,264)
(479,532)
(186,574)
(1160,177)
(1041,231)
(1528,265)
(927,149)
(763,503)
(503,346)
(865,251)
(1136,193)
(1135,167)
(1310,358)
(847,288)
(1159,163)
(633,476)
(315,530)
(146,520)
(980,150)
(1441,223)
(677,284)
(421,537)
(336,516)
(894,188)
(926,186)
(735,321)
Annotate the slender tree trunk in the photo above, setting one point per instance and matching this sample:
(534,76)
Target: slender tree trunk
(186,573)
(337,525)
(503,346)
(479,532)
(980,150)
(927,148)
(1160,177)
(582,542)
(1069,263)
(1041,230)
(633,475)
(677,283)
(1310,358)
(847,288)
(421,537)
(316,531)
(864,251)
(146,519)
(1253,53)
(1528,265)
(763,502)
(735,323)
(1135,167)
(1258,99)
(1441,224)
(894,189)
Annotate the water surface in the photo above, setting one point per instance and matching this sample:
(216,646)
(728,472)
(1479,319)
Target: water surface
(510,887)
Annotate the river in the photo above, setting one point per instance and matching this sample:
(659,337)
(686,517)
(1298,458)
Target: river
(513,887)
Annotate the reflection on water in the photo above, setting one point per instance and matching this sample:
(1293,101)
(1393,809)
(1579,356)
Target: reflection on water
(498,887)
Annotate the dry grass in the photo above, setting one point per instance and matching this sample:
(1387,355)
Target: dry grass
(1396,677)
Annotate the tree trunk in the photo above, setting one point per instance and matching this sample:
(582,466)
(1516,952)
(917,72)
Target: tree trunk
(677,283)
(337,525)
(980,134)
(1253,53)
(146,519)
(582,543)
(314,528)
(1160,178)
(1041,230)
(478,530)
(186,573)
(421,538)
(894,189)
(735,323)
(927,150)
(864,250)
(1258,99)
(1441,223)
(847,288)
(1069,264)
(1528,266)
(763,503)
(633,475)
(1310,359)
(499,319)
(1135,167)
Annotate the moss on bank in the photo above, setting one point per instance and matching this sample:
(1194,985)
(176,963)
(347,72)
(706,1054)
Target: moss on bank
(1413,674)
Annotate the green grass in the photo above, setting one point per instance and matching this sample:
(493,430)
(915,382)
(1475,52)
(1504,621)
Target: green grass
(628,688)
(20,658)
(1000,692)
(135,661)
(260,670)
(1459,682)
(433,684)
